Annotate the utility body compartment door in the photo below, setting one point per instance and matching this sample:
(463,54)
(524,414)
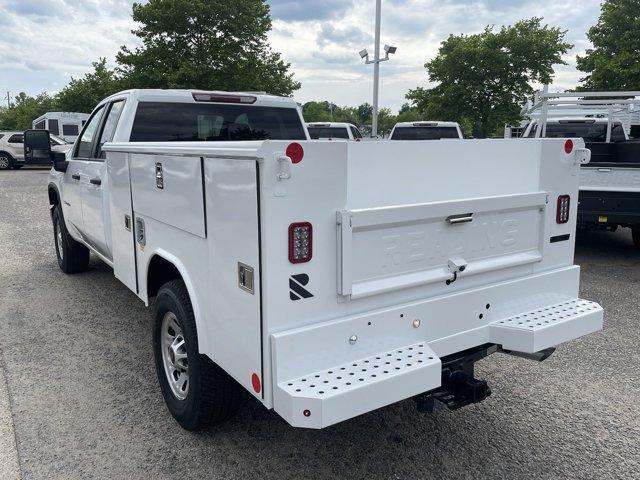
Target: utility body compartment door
(121,219)
(389,248)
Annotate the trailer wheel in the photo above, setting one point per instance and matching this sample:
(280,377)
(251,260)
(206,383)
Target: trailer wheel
(73,257)
(635,233)
(198,393)
(6,161)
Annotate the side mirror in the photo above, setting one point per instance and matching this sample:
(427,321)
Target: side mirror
(37,150)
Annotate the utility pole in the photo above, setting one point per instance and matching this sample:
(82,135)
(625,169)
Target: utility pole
(8,99)
(376,70)
(389,50)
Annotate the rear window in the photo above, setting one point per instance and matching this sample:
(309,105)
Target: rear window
(590,132)
(424,133)
(71,130)
(16,138)
(327,132)
(179,122)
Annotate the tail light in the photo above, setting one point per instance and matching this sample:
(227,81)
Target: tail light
(562,212)
(300,242)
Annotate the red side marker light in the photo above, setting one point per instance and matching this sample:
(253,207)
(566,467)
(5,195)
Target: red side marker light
(568,146)
(255,383)
(295,152)
(306,413)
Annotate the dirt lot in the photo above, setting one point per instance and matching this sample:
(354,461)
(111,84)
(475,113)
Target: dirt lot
(84,400)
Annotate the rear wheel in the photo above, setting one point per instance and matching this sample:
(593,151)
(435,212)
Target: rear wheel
(73,257)
(197,392)
(635,233)
(5,161)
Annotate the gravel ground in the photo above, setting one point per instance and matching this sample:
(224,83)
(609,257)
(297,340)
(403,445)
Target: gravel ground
(85,401)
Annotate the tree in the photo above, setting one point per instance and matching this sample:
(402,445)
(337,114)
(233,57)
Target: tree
(24,110)
(484,77)
(207,44)
(83,94)
(613,63)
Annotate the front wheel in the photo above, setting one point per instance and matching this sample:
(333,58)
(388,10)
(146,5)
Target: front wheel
(5,161)
(635,234)
(197,392)
(73,257)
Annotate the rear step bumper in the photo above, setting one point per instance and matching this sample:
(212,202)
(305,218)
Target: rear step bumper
(324,397)
(546,327)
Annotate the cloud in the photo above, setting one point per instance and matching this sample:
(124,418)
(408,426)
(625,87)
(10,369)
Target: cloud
(305,10)
(320,38)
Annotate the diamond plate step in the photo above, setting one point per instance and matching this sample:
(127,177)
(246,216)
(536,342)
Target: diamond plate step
(322,398)
(546,327)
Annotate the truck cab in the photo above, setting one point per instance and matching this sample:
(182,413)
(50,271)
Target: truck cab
(425,131)
(333,131)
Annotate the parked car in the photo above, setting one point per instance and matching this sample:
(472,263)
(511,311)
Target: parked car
(333,130)
(311,273)
(66,125)
(425,131)
(12,149)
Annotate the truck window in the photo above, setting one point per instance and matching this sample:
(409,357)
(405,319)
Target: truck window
(53,127)
(84,147)
(39,125)
(176,122)
(424,133)
(355,132)
(16,138)
(110,125)
(69,129)
(590,132)
(316,133)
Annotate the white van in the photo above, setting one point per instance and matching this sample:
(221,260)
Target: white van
(66,125)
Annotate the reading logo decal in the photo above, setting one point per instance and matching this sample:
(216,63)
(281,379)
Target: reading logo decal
(296,287)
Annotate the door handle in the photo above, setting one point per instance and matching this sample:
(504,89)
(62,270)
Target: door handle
(456,219)
(95,181)
(75,176)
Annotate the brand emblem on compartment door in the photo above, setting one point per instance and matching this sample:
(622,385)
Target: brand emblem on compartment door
(296,287)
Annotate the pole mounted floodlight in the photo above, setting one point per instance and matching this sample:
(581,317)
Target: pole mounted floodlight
(364,54)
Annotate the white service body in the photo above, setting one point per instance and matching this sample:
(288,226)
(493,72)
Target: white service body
(365,322)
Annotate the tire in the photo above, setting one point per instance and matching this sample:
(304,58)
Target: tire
(208,395)
(635,234)
(17,167)
(6,161)
(73,257)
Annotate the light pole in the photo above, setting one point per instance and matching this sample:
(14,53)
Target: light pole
(389,50)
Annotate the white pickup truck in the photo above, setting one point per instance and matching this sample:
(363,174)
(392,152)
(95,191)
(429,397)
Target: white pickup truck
(328,279)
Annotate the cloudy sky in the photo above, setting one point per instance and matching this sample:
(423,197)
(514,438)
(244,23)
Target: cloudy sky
(45,42)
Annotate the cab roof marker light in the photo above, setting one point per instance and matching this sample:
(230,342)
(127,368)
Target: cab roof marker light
(220,98)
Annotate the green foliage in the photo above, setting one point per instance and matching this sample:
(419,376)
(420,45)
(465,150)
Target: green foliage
(83,94)
(484,77)
(614,63)
(24,109)
(205,44)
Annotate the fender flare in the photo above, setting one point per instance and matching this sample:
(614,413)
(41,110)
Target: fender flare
(175,261)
